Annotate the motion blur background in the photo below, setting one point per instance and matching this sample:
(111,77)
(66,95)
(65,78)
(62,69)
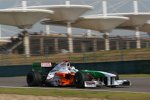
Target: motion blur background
(53,46)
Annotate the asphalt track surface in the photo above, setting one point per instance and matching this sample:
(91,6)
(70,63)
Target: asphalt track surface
(138,84)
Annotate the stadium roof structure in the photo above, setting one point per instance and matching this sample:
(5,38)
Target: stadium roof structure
(138,19)
(143,28)
(135,20)
(98,23)
(65,13)
(22,18)
(126,21)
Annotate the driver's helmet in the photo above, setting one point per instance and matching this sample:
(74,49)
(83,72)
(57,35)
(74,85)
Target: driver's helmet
(67,63)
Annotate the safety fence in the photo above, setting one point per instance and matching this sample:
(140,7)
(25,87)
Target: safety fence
(55,48)
(101,56)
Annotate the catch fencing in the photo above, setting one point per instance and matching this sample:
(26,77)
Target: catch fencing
(86,49)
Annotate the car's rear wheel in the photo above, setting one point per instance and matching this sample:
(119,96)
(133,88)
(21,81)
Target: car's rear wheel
(34,79)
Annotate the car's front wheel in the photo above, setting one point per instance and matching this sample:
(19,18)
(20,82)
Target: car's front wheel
(79,80)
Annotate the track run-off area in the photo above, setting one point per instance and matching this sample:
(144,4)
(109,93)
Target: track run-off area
(139,85)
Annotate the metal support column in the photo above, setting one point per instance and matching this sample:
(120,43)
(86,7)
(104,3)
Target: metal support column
(104,7)
(24,4)
(138,38)
(47,29)
(89,33)
(135,6)
(70,39)
(26,41)
(107,41)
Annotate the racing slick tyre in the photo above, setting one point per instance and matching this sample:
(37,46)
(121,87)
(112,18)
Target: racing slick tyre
(34,79)
(79,80)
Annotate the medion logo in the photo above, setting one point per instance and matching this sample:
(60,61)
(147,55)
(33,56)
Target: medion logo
(89,82)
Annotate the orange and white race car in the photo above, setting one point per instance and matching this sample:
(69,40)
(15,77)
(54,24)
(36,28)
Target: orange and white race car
(63,74)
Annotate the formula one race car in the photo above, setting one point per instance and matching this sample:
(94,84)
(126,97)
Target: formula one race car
(62,74)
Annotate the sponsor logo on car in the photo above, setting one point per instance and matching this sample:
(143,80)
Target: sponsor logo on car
(46,64)
(90,84)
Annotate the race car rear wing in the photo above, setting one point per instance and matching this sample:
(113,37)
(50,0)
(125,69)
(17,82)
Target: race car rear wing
(43,67)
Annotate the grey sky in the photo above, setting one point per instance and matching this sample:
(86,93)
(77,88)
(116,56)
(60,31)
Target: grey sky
(113,7)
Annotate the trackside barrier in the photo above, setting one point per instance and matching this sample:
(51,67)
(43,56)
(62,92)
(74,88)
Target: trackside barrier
(122,67)
(15,70)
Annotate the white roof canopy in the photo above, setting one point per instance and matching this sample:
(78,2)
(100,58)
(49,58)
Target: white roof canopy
(98,23)
(65,12)
(136,19)
(22,18)
(144,28)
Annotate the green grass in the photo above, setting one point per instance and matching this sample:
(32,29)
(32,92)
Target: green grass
(77,93)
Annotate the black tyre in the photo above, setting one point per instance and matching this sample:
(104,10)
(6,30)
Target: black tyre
(79,80)
(34,79)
